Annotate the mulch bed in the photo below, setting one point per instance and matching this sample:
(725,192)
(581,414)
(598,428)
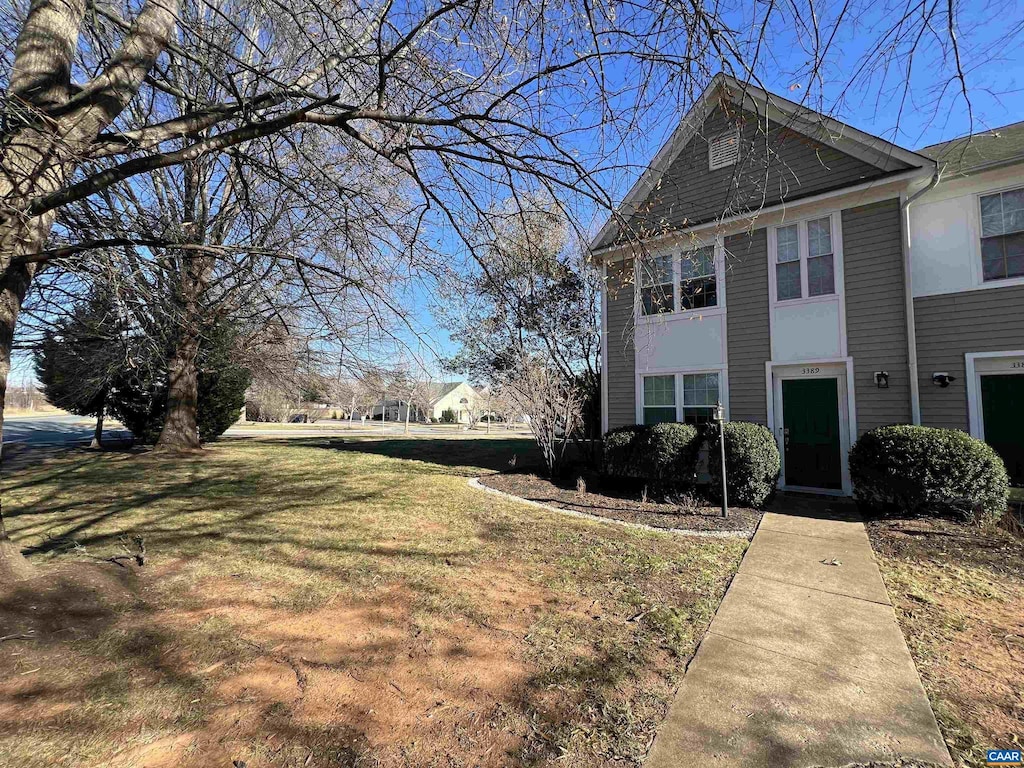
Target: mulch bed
(624,504)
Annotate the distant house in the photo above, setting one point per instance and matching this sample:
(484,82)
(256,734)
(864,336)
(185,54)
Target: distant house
(457,396)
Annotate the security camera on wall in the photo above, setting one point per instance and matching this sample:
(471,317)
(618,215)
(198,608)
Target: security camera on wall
(942,379)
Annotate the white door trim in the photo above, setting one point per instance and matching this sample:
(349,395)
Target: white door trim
(839,368)
(976,366)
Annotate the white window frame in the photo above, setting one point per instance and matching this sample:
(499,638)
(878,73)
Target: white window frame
(732,133)
(976,268)
(678,373)
(677,312)
(835,227)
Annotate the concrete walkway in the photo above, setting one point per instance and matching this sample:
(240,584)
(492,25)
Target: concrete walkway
(804,664)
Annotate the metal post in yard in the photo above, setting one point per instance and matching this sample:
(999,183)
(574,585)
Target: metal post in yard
(720,418)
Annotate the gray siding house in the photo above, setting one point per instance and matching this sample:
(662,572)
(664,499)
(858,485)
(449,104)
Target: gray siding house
(818,280)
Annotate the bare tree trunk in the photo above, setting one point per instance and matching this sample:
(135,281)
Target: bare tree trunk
(181,425)
(97,435)
(408,405)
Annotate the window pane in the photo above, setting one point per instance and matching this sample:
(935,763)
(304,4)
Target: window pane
(657,299)
(820,276)
(787,280)
(660,391)
(819,237)
(1014,245)
(991,215)
(1013,210)
(698,294)
(697,415)
(656,271)
(993,263)
(659,415)
(700,389)
(787,244)
(698,263)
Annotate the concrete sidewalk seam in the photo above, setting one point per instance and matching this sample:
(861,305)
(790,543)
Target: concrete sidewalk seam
(816,589)
(811,535)
(831,671)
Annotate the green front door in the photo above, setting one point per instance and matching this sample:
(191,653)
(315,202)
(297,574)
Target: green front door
(1002,408)
(810,418)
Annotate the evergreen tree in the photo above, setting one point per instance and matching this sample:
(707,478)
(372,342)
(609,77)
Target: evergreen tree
(81,357)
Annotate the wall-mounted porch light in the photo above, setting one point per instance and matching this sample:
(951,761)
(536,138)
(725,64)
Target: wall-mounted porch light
(882,379)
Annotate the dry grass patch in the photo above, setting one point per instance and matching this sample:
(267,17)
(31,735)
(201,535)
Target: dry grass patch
(335,603)
(959,592)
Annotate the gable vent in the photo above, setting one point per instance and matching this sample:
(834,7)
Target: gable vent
(724,149)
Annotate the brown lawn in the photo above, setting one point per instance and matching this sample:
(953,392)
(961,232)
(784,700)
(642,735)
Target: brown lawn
(335,603)
(959,596)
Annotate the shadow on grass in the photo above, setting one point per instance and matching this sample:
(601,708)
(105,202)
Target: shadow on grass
(495,454)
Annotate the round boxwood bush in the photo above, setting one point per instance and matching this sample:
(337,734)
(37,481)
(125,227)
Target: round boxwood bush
(909,470)
(662,453)
(752,462)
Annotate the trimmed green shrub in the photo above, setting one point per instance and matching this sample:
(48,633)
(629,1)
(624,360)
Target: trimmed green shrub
(752,462)
(447,416)
(662,453)
(620,451)
(909,470)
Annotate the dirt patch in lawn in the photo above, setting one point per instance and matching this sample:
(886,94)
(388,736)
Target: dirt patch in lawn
(353,680)
(597,498)
(958,592)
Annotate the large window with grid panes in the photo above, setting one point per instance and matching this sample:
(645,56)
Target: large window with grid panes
(687,397)
(804,259)
(681,282)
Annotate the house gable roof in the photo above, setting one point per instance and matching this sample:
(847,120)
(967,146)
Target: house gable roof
(843,156)
(440,389)
(979,152)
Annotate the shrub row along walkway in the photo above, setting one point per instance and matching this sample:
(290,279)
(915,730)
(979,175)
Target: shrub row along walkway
(804,663)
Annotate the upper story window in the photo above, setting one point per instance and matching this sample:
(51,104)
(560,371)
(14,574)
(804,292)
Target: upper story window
(805,260)
(686,281)
(1002,235)
(724,149)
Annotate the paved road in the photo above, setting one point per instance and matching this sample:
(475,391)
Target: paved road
(57,429)
(62,429)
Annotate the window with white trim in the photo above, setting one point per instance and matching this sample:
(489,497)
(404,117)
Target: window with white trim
(1002,235)
(679,282)
(657,285)
(699,394)
(659,399)
(805,250)
(724,149)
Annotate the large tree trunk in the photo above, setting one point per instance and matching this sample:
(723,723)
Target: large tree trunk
(181,426)
(15,240)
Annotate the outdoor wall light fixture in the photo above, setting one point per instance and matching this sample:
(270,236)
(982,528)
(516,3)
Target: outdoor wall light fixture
(882,379)
(942,379)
